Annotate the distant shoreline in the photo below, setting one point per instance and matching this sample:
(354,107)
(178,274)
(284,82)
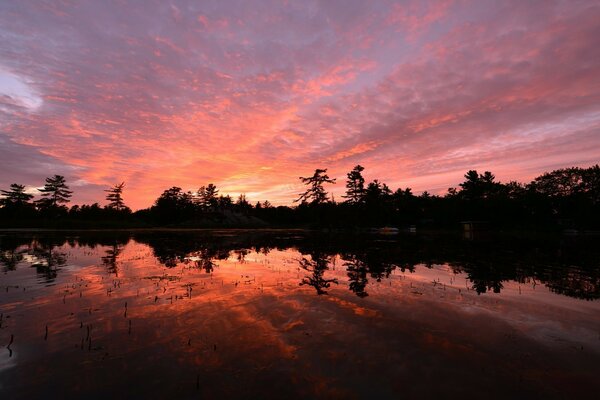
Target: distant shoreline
(402,233)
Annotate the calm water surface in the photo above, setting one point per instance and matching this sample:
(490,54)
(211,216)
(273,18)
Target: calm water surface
(297,315)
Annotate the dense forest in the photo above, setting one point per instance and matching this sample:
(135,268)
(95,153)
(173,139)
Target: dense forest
(567,198)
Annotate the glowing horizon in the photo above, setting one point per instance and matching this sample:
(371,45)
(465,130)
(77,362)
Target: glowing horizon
(251,95)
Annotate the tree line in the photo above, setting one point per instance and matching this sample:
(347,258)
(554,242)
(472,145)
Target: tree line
(563,198)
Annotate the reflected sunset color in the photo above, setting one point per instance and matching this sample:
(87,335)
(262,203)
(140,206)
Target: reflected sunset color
(250,95)
(320,199)
(289,313)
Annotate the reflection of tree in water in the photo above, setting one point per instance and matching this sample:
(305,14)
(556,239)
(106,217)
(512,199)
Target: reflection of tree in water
(567,266)
(173,250)
(9,259)
(110,259)
(12,249)
(379,264)
(376,262)
(204,258)
(206,263)
(317,266)
(483,285)
(566,280)
(260,249)
(357,275)
(48,259)
(99,239)
(170,260)
(484,278)
(44,253)
(241,255)
(487,264)
(577,283)
(405,266)
(170,254)
(264,250)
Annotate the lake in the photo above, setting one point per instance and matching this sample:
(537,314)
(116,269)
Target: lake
(294,314)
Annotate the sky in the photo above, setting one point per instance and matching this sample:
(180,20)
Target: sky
(251,95)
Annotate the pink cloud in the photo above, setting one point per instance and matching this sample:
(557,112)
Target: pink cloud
(250,96)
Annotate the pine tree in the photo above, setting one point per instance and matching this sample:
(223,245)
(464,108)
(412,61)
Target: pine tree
(355,186)
(207,197)
(115,197)
(54,193)
(242,204)
(315,191)
(15,197)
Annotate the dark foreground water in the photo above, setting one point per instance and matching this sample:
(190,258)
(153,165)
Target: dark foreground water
(297,315)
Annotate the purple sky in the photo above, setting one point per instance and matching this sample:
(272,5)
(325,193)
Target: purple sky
(250,95)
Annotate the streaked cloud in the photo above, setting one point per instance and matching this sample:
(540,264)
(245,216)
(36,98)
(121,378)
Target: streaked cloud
(251,95)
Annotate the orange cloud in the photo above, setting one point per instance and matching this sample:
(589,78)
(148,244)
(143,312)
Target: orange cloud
(253,97)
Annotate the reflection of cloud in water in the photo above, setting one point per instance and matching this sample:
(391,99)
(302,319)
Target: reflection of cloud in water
(248,323)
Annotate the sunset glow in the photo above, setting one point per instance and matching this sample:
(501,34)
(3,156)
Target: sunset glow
(250,95)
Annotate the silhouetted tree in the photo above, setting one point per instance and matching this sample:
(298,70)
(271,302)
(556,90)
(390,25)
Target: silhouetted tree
(563,198)
(567,182)
(115,197)
(174,205)
(377,192)
(15,197)
(175,195)
(479,186)
(378,200)
(54,193)
(562,182)
(207,197)
(88,212)
(514,190)
(404,206)
(224,202)
(355,186)
(590,184)
(572,194)
(315,193)
(242,204)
